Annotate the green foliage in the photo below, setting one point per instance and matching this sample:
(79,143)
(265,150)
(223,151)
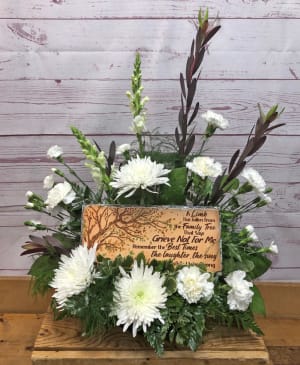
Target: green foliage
(42,271)
(257,305)
(174,194)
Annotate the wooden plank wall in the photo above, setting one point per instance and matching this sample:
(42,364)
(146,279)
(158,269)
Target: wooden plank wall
(68,63)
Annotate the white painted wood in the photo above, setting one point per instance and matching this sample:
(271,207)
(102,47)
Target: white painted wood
(101,107)
(23,155)
(171,36)
(145,8)
(103,65)
(286,196)
(64,63)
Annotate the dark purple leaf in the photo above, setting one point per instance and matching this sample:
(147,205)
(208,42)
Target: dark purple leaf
(210,34)
(233,159)
(189,144)
(258,145)
(275,126)
(182,85)
(195,112)
(199,59)
(191,93)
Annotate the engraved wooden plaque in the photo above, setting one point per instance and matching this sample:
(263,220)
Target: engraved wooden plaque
(184,235)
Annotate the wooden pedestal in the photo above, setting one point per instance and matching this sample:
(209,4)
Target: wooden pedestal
(60,343)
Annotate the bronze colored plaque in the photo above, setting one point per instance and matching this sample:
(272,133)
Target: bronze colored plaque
(185,235)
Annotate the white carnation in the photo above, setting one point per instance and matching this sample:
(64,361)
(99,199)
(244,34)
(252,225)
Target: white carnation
(254,179)
(215,119)
(251,232)
(61,192)
(123,148)
(139,173)
(273,248)
(33,224)
(138,124)
(74,274)
(138,298)
(29,194)
(48,182)
(54,152)
(205,166)
(240,295)
(193,285)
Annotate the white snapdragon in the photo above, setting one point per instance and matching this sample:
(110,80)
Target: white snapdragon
(54,152)
(240,295)
(215,119)
(61,192)
(205,167)
(138,124)
(193,285)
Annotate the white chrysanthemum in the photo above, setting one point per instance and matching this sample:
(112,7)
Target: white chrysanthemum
(48,182)
(251,232)
(205,166)
(215,119)
(193,285)
(254,179)
(273,248)
(139,173)
(240,295)
(74,274)
(123,148)
(138,124)
(54,152)
(61,192)
(138,298)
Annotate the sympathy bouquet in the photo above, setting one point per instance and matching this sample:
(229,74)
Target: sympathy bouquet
(167,303)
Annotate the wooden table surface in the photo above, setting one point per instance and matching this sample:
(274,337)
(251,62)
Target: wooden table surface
(18,331)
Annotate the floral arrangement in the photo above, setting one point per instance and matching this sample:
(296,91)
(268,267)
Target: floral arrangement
(167,303)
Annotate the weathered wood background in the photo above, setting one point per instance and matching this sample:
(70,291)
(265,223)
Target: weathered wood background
(68,63)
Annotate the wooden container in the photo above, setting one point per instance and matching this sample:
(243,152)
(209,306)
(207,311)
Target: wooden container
(60,343)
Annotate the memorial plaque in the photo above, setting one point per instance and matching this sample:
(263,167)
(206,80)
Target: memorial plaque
(184,235)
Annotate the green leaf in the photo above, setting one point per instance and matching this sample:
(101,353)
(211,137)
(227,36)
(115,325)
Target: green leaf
(43,272)
(171,285)
(232,185)
(261,265)
(174,194)
(258,305)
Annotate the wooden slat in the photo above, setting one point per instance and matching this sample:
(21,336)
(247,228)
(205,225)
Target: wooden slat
(24,160)
(280,332)
(59,341)
(48,107)
(282,299)
(286,200)
(137,8)
(170,36)
(105,65)
(17,334)
(16,297)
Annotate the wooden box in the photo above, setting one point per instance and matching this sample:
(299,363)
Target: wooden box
(60,343)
